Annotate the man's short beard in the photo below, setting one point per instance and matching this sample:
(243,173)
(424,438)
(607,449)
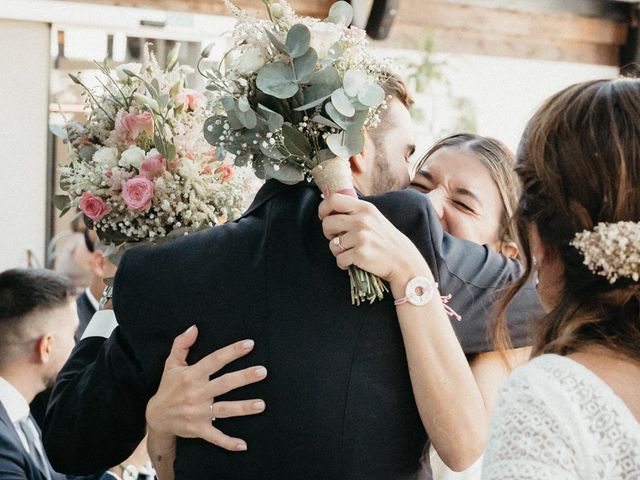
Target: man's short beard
(382,180)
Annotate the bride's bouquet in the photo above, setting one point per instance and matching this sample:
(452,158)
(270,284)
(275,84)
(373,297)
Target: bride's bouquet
(140,168)
(292,99)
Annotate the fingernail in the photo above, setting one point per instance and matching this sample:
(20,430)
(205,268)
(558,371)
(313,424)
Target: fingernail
(190,329)
(248,344)
(259,406)
(241,446)
(260,372)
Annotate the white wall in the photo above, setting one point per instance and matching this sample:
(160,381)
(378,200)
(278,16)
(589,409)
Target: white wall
(24,91)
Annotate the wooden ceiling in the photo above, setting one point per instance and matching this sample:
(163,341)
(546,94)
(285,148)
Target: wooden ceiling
(582,31)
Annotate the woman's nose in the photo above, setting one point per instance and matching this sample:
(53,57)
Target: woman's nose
(437,197)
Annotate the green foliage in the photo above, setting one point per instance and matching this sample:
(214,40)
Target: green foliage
(340,13)
(277,79)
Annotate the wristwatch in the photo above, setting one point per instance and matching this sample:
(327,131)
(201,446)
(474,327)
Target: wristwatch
(419,292)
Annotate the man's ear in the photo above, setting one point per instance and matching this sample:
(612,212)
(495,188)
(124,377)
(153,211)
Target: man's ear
(43,348)
(97,263)
(509,249)
(357,162)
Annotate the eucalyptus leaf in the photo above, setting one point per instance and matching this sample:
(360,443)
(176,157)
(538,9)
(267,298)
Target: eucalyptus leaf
(354,81)
(172,58)
(295,142)
(322,155)
(64,211)
(248,118)
(207,50)
(243,104)
(328,76)
(228,103)
(342,102)
(271,151)
(298,40)
(86,153)
(59,132)
(346,144)
(64,184)
(277,79)
(340,13)
(312,103)
(305,65)
(372,95)
(233,121)
(274,119)
(213,131)
(170,152)
(163,101)
(242,159)
(61,201)
(155,90)
(285,173)
(324,121)
(282,48)
(258,163)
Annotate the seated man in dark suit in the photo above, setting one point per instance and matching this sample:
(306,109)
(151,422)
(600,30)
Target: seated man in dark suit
(37,322)
(340,403)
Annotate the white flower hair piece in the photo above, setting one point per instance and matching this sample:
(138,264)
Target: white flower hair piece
(611,250)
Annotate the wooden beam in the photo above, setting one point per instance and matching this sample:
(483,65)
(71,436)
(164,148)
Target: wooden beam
(483,43)
(315,8)
(438,14)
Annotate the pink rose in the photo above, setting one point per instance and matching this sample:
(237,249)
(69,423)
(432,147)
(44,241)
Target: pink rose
(133,124)
(93,207)
(226,171)
(137,193)
(190,98)
(153,167)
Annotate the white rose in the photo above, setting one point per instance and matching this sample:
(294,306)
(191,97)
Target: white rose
(323,36)
(134,67)
(152,153)
(132,157)
(250,60)
(106,156)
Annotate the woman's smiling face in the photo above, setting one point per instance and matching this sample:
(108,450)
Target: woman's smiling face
(463,194)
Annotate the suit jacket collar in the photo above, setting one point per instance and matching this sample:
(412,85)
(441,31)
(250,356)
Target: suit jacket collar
(9,427)
(269,190)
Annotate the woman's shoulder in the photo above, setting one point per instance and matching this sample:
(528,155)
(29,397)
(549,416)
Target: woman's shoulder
(564,400)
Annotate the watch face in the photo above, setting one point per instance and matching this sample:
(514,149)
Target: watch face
(419,291)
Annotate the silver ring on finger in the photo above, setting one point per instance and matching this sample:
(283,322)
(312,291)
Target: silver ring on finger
(336,241)
(213,417)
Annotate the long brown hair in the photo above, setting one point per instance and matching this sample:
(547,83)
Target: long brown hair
(579,164)
(499,161)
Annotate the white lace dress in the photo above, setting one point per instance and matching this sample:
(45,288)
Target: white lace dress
(557,420)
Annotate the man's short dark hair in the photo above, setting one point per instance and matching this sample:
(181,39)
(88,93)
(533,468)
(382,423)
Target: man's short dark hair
(25,290)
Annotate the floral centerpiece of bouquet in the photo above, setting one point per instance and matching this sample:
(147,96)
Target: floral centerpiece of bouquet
(140,168)
(292,99)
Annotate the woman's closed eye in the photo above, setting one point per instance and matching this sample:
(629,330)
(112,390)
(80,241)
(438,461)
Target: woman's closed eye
(463,206)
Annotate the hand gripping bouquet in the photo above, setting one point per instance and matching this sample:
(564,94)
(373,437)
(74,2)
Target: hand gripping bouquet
(140,168)
(293,97)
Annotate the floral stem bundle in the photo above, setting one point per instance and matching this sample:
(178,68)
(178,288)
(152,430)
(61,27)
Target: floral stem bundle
(293,97)
(140,169)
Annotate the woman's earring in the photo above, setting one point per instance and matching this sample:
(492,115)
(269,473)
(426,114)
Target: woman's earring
(536,276)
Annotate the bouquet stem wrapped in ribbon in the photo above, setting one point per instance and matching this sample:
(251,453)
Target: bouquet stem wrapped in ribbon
(334,176)
(293,97)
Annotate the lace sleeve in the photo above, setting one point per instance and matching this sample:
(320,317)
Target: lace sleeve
(528,439)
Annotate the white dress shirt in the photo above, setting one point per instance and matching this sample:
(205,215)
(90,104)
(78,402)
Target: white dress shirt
(94,302)
(102,324)
(18,409)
